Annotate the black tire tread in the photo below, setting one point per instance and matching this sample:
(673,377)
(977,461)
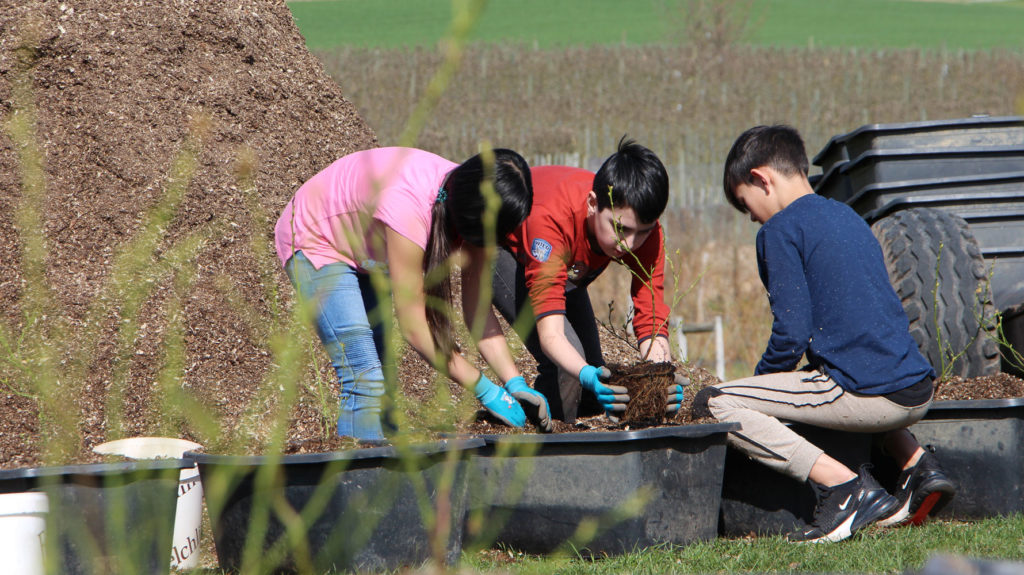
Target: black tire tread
(917,241)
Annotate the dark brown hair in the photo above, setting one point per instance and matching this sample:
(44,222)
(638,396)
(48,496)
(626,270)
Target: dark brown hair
(633,177)
(779,147)
(459,215)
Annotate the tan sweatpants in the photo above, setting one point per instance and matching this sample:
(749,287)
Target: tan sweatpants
(758,403)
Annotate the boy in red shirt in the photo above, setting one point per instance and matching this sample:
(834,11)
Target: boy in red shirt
(580,222)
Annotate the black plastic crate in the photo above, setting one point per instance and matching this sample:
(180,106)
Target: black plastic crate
(1013,329)
(959,194)
(1002,245)
(897,165)
(834,184)
(833,153)
(978,131)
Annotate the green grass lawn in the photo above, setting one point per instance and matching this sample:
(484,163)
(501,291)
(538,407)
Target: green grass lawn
(876,551)
(550,23)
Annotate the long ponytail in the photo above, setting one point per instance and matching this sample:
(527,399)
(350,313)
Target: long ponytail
(457,214)
(437,279)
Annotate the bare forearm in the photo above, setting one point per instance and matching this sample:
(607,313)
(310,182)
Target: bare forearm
(495,350)
(554,344)
(491,342)
(459,369)
(417,335)
(463,372)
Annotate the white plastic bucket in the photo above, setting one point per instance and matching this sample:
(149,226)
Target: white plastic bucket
(189,513)
(22,522)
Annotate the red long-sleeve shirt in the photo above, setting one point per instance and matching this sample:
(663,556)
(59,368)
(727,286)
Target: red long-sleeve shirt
(559,253)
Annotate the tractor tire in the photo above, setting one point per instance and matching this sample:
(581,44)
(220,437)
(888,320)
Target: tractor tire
(951,314)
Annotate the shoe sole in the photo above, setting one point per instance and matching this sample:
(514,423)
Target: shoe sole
(932,504)
(921,514)
(936,496)
(933,495)
(897,518)
(843,531)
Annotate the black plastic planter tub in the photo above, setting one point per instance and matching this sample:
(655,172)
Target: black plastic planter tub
(364,509)
(978,443)
(108,517)
(931,135)
(600,493)
(756,499)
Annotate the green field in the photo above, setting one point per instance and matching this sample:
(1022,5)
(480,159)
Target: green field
(547,23)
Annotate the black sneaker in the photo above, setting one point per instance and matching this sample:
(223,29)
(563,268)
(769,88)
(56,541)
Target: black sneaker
(922,490)
(842,510)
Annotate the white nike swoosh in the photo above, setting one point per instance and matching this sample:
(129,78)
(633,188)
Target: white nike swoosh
(845,503)
(905,483)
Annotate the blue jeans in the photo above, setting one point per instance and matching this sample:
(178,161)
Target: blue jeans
(342,297)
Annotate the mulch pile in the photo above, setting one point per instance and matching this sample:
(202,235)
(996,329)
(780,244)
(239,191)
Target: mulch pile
(118,85)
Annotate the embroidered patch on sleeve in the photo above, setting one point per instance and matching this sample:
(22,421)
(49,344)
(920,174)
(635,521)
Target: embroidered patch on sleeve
(541,250)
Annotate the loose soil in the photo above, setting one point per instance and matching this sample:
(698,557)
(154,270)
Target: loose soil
(996,386)
(618,352)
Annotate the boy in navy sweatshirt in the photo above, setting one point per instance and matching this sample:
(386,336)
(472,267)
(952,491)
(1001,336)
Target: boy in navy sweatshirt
(832,302)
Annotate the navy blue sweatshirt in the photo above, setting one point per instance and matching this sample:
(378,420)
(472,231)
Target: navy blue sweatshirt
(831,299)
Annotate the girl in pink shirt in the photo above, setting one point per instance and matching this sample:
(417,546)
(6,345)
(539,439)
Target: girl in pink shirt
(398,214)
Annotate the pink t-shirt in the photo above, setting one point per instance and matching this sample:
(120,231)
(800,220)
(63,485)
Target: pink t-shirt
(337,215)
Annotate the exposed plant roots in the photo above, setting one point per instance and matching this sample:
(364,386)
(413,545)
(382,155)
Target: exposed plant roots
(647,383)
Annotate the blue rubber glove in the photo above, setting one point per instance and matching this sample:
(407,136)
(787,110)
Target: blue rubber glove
(675,395)
(613,398)
(533,402)
(499,403)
